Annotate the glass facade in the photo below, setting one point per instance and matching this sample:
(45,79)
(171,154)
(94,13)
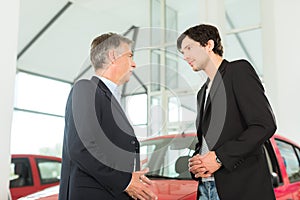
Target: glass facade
(164,89)
(243,32)
(38,122)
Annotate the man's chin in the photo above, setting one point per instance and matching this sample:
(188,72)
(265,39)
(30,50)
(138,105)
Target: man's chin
(195,69)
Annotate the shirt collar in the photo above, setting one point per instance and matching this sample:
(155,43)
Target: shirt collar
(111,86)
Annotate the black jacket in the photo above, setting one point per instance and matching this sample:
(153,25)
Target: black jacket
(236,121)
(100,146)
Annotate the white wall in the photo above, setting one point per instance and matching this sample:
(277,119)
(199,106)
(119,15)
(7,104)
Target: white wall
(9,16)
(281,42)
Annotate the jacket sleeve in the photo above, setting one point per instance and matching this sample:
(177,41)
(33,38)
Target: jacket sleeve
(87,145)
(256,112)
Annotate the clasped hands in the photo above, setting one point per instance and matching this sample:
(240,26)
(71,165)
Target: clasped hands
(139,186)
(204,165)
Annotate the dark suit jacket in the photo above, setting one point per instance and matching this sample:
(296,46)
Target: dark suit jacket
(236,121)
(100,146)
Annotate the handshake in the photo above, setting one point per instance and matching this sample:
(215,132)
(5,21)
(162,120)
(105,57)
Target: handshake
(139,186)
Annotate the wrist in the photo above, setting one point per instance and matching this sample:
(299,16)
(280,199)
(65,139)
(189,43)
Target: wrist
(218,161)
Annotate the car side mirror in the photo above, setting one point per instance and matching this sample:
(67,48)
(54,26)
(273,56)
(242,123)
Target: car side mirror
(275,179)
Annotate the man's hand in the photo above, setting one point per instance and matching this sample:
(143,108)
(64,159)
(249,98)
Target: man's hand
(197,168)
(138,187)
(204,165)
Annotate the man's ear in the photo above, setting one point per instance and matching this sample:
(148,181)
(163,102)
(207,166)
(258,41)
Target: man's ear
(210,45)
(111,56)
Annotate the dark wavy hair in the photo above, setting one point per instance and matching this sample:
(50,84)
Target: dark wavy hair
(202,33)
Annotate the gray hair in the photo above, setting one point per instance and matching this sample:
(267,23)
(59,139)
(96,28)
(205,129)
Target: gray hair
(102,44)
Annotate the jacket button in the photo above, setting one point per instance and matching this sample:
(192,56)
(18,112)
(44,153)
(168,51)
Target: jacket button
(132,142)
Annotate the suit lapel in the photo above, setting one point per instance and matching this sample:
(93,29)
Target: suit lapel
(215,85)
(200,98)
(112,99)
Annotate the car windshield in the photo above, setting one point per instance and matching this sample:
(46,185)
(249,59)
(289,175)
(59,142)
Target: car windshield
(168,157)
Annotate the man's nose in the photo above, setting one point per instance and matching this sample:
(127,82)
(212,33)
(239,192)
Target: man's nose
(133,64)
(185,57)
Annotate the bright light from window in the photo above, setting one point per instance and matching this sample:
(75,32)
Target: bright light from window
(38,133)
(137,109)
(41,94)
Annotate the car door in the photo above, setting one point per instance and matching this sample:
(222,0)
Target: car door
(296,194)
(21,178)
(275,167)
(291,162)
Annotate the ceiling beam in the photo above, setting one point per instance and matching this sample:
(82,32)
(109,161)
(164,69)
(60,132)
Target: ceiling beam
(41,32)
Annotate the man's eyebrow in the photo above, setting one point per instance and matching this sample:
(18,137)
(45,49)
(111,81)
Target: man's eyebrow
(181,50)
(186,46)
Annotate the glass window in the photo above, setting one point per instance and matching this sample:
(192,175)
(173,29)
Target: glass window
(174,110)
(20,173)
(41,94)
(188,13)
(243,39)
(49,170)
(171,24)
(146,152)
(242,13)
(137,109)
(181,114)
(246,45)
(31,133)
(38,122)
(155,71)
(156,120)
(156,22)
(290,159)
(168,157)
(171,74)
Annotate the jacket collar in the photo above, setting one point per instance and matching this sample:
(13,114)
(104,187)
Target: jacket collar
(218,79)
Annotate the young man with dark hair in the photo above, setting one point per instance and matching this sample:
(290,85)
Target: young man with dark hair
(234,120)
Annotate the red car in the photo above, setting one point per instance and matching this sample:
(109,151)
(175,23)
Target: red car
(32,173)
(167,158)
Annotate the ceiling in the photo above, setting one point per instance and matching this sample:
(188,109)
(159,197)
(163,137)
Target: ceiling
(55,35)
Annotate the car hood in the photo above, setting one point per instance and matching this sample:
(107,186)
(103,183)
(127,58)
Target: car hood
(165,189)
(174,189)
(44,193)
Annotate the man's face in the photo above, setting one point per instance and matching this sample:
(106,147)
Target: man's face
(195,54)
(124,64)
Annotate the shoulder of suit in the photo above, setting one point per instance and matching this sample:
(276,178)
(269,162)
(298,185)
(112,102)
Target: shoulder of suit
(85,86)
(84,82)
(240,61)
(239,66)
